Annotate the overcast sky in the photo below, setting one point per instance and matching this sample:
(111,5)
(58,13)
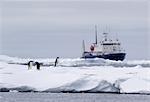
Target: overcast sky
(56,28)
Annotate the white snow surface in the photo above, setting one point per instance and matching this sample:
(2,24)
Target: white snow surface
(75,75)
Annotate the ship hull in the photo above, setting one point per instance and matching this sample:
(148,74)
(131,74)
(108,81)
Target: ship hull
(113,56)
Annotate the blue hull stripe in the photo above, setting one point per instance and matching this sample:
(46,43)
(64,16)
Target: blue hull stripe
(115,56)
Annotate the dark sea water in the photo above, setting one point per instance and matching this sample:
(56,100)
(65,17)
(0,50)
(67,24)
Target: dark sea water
(71,97)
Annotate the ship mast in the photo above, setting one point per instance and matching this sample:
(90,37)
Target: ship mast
(95,34)
(105,36)
(83,46)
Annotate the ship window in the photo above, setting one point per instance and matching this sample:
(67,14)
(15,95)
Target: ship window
(114,48)
(111,44)
(108,44)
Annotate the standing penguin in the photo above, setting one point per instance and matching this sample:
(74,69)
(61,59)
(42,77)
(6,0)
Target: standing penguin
(37,65)
(56,61)
(30,64)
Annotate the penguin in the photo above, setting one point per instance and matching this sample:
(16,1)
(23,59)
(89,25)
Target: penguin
(56,61)
(37,65)
(30,64)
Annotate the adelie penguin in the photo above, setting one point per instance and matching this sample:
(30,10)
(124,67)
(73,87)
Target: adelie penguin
(37,65)
(30,64)
(56,61)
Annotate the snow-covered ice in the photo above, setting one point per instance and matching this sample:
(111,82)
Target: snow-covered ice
(75,75)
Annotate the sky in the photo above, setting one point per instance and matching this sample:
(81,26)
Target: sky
(47,29)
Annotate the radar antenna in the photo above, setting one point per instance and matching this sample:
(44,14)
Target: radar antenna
(105,36)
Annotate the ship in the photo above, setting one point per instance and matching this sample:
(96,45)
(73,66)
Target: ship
(105,49)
